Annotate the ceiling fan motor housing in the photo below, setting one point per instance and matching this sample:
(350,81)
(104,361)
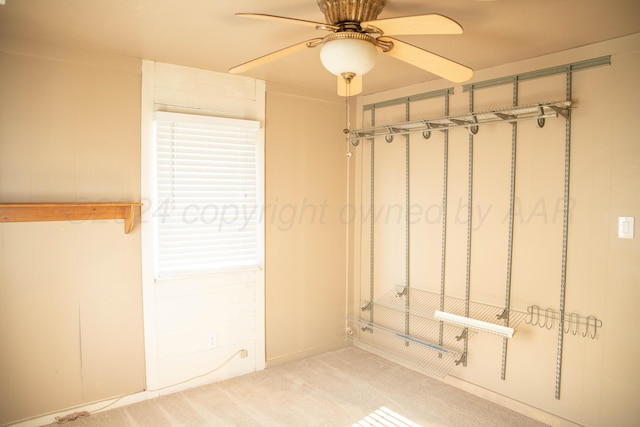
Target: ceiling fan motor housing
(338,11)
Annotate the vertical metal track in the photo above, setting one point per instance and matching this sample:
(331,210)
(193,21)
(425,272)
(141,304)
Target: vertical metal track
(565,235)
(445,179)
(407,241)
(512,193)
(469,229)
(372,218)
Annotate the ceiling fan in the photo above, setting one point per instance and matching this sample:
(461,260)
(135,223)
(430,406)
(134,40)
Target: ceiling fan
(355,37)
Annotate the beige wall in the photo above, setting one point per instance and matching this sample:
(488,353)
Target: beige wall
(603,278)
(70,296)
(306,168)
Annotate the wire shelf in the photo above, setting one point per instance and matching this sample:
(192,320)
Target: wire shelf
(424,304)
(401,327)
(421,327)
(419,353)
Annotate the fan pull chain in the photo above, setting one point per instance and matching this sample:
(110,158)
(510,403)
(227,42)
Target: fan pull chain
(347,80)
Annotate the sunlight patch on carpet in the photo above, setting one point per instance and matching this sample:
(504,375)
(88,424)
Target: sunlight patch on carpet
(385,417)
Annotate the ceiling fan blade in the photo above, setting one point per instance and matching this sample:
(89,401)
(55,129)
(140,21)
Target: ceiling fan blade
(428,61)
(354,87)
(285,19)
(414,25)
(273,56)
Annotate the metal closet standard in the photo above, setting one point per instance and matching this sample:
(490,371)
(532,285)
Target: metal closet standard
(432,330)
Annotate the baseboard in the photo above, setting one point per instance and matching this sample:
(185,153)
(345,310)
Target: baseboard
(305,354)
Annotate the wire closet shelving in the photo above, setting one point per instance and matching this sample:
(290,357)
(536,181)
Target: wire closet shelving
(437,346)
(405,323)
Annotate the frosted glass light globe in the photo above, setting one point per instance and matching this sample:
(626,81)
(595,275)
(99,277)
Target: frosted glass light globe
(348,55)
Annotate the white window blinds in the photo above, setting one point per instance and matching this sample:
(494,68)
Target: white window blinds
(209,194)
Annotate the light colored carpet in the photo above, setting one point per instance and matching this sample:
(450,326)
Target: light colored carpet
(346,387)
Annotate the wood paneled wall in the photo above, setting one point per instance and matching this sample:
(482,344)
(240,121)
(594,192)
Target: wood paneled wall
(70,297)
(306,167)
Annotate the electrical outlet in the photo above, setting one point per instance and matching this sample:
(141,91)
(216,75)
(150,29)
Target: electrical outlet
(212,341)
(244,354)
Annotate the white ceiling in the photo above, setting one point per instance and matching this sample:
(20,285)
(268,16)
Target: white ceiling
(206,34)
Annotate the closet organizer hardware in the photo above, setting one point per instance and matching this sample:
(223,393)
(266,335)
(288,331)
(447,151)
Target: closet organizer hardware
(433,336)
(472,121)
(421,353)
(38,212)
(478,325)
(402,307)
(572,322)
(424,307)
(424,304)
(423,342)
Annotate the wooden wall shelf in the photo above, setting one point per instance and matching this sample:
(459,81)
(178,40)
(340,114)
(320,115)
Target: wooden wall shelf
(36,212)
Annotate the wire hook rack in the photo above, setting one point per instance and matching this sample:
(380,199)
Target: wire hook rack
(572,323)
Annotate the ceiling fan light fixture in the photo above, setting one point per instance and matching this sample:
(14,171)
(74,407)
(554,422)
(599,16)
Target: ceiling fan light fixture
(348,52)
(356,37)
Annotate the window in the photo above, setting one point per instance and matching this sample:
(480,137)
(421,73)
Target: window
(208,194)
